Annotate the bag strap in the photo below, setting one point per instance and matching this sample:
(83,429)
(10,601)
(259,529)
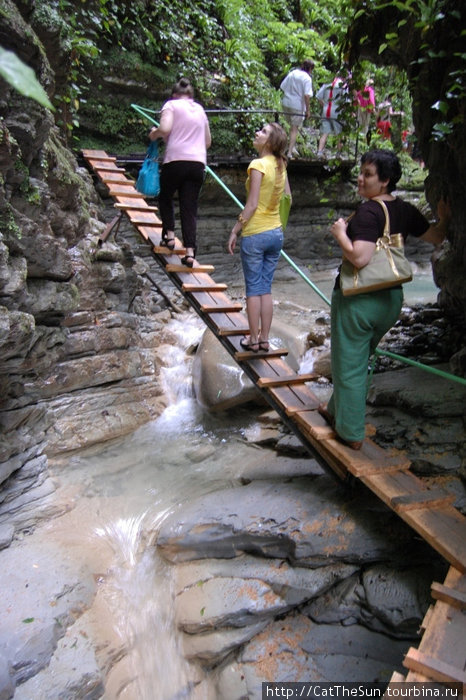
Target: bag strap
(386,228)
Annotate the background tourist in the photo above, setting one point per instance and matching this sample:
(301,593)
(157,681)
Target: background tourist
(332,97)
(262,233)
(365,100)
(185,129)
(297,92)
(359,322)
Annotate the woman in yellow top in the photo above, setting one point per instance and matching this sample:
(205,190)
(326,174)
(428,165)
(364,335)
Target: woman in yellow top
(262,233)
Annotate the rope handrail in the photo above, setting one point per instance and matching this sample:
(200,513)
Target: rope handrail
(432,370)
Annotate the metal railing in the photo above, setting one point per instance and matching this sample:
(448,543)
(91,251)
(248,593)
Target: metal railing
(387,353)
(306,131)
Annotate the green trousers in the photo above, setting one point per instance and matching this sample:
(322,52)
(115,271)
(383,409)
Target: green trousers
(357,325)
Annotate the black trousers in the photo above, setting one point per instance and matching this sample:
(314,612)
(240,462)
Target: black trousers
(186,177)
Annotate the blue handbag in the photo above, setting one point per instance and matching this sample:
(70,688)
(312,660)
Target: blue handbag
(148,182)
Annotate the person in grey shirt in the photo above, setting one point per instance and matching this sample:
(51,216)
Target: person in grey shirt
(297,92)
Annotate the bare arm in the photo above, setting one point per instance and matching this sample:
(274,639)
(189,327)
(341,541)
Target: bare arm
(436,233)
(255,180)
(359,253)
(164,128)
(208,138)
(307,101)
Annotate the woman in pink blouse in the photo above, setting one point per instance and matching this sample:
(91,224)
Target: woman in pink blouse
(185,129)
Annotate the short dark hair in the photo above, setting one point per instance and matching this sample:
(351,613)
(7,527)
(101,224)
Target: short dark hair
(386,163)
(307,65)
(183,87)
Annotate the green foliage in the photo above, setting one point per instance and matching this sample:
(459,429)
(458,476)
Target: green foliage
(437,49)
(22,77)
(8,223)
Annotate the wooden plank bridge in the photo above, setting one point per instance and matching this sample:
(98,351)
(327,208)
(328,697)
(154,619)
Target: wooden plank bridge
(428,511)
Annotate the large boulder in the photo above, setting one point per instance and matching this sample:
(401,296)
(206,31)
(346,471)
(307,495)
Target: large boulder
(219,383)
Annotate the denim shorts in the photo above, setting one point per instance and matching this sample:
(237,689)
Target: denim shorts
(259,256)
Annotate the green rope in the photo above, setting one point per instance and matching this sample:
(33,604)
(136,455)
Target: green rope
(432,370)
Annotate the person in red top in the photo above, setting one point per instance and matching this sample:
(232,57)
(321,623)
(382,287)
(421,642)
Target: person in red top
(365,100)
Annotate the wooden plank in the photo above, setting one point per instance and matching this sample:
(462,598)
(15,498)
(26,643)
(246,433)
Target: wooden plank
(313,423)
(396,678)
(205,287)
(390,488)
(127,200)
(225,331)
(215,308)
(264,382)
(118,193)
(444,528)
(191,270)
(370,461)
(449,595)
(140,217)
(142,206)
(163,250)
(295,398)
(426,619)
(109,168)
(97,155)
(370,458)
(272,352)
(423,499)
(121,179)
(434,668)
(444,629)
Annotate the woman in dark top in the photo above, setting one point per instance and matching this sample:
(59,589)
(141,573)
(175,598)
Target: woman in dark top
(359,322)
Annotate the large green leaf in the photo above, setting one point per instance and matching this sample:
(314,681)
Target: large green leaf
(22,77)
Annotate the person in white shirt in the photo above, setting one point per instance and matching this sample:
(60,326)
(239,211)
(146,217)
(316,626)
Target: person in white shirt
(297,92)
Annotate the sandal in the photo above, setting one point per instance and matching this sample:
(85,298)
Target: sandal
(167,242)
(252,347)
(188,260)
(264,345)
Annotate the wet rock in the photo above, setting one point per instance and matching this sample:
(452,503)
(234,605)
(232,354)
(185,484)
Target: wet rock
(220,384)
(384,599)
(270,465)
(408,389)
(297,650)
(304,522)
(247,593)
(40,607)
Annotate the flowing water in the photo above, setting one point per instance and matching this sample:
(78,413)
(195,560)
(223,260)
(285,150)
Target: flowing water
(126,488)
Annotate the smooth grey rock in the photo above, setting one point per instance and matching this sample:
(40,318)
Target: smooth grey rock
(270,465)
(310,522)
(219,383)
(210,648)
(6,535)
(7,685)
(294,583)
(41,600)
(397,599)
(227,602)
(341,604)
(296,649)
(410,390)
